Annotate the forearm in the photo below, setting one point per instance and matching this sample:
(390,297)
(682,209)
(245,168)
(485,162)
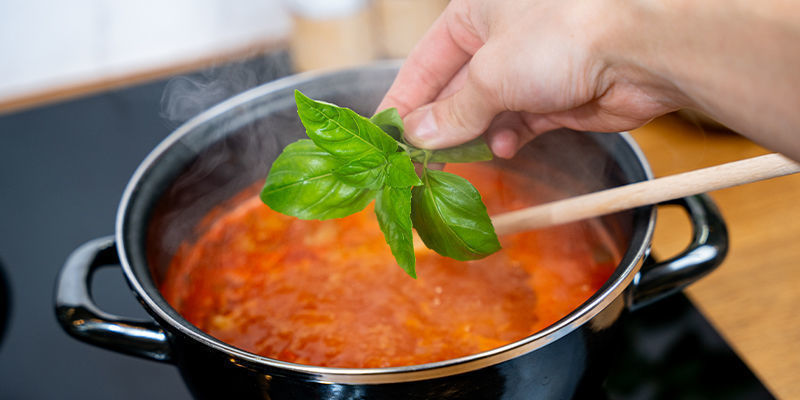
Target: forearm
(737,61)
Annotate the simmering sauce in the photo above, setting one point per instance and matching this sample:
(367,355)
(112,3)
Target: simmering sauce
(329,293)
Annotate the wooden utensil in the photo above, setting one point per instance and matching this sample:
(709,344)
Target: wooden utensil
(645,193)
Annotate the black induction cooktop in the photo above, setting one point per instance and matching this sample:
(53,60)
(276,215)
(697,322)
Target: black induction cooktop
(63,168)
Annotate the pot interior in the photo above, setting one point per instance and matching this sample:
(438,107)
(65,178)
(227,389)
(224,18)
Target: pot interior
(228,148)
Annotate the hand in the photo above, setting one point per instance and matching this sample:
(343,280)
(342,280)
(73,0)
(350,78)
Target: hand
(515,69)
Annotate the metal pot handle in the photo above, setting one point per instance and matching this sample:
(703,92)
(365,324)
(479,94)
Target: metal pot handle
(82,319)
(658,279)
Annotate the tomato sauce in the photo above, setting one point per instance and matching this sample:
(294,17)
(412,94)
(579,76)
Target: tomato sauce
(329,293)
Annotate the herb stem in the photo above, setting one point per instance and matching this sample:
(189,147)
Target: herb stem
(427,158)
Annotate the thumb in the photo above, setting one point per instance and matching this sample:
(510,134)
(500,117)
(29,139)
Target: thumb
(456,119)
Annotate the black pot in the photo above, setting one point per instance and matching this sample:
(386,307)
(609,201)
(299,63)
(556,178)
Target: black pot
(229,147)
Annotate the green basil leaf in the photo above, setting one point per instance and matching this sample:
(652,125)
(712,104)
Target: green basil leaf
(400,172)
(302,183)
(393,209)
(474,150)
(366,172)
(351,160)
(342,132)
(450,217)
(391,123)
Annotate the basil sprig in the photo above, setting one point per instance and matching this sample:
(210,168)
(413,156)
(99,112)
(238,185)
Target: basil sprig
(351,160)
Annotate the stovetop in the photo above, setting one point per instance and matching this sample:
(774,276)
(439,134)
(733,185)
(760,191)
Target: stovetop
(62,171)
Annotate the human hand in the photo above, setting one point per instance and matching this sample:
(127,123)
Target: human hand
(515,69)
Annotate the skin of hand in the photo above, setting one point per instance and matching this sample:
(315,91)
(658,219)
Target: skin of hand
(513,69)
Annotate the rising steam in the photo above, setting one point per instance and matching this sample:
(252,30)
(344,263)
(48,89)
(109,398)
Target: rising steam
(188,95)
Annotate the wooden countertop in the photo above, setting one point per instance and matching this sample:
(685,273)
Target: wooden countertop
(753,297)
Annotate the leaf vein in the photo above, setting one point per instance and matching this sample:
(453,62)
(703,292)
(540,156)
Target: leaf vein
(429,192)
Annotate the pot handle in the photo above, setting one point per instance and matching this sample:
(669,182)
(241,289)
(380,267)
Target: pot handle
(658,279)
(83,320)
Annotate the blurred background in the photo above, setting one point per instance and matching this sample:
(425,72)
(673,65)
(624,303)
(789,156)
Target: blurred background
(59,50)
(88,87)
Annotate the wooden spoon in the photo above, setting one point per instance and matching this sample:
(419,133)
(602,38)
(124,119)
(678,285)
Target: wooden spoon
(644,193)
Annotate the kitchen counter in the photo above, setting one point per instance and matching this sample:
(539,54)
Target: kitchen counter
(752,297)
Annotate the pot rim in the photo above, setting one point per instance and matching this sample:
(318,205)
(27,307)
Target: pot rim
(155,303)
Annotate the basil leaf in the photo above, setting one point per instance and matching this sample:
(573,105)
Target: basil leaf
(351,160)
(342,132)
(400,171)
(366,172)
(474,150)
(450,217)
(302,183)
(391,123)
(393,209)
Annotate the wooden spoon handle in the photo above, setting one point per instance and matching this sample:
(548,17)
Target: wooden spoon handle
(645,193)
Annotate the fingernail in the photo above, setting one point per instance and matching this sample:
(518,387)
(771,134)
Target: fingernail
(421,127)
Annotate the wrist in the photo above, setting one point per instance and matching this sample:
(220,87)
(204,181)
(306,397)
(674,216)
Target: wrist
(735,61)
(637,48)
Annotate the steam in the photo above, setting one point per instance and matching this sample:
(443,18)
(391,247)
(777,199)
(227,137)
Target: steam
(232,152)
(188,95)
(568,162)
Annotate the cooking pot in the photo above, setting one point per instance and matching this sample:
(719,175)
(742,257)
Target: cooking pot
(229,147)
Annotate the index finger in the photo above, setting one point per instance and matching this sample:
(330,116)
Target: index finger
(440,54)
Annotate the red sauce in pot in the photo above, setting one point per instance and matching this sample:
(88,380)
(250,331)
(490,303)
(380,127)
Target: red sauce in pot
(328,293)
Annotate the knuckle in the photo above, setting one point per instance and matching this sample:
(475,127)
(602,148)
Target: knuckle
(489,81)
(482,74)
(458,116)
(402,105)
(461,26)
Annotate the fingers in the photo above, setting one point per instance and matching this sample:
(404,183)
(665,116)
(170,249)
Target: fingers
(455,84)
(512,130)
(594,117)
(505,135)
(462,116)
(440,54)
(504,142)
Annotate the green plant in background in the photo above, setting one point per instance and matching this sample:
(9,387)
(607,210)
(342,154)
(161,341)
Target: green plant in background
(351,160)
